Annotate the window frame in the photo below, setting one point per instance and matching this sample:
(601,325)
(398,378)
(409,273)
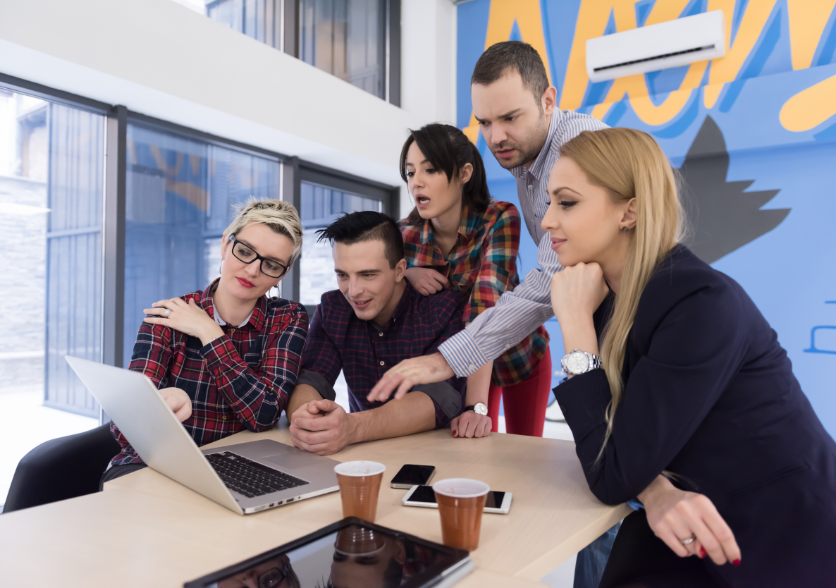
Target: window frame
(293,171)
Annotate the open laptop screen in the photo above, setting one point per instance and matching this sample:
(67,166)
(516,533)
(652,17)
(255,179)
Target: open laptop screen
(349,554)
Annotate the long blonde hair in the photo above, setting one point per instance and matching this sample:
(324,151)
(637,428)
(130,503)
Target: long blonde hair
(630,164)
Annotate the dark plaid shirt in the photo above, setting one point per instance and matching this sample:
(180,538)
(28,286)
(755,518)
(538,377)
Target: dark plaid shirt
(338,340)
(240,380)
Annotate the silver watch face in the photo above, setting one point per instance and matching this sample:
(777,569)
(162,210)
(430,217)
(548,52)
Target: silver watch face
(577,362)
(480,408)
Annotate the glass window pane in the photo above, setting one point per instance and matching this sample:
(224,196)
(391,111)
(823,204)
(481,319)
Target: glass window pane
(51,204)
(346,38)
(259,19)
(182,194)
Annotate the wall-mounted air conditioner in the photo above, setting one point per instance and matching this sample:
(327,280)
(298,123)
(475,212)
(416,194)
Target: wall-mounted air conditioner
(660,46)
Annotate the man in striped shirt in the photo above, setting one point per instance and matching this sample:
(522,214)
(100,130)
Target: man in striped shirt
(521,124)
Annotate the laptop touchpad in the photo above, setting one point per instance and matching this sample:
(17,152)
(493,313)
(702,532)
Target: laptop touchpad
(289,461)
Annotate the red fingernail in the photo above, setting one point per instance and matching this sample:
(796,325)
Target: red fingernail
(454,433)
(702,552)
(736,562)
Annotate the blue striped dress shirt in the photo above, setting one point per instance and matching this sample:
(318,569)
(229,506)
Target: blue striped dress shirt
(521,311)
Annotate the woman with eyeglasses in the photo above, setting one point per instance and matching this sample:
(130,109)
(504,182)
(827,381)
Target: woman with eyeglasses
(226,358)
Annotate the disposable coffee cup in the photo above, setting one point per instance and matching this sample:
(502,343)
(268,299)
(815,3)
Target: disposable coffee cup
(460,504)
(359,487)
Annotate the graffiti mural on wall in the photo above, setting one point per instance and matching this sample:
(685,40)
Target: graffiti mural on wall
(753,135)
(722,215)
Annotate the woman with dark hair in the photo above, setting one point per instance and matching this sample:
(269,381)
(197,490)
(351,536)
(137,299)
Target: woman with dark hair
(458,237)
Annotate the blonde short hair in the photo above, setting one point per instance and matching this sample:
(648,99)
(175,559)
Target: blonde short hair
(280,216)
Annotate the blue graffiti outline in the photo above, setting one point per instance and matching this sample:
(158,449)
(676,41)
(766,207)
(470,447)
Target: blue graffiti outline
(813,348)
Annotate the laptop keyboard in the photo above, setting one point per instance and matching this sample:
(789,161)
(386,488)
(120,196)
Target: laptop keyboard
(248,477)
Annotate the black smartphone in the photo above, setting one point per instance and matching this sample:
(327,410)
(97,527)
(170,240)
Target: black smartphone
(413,475)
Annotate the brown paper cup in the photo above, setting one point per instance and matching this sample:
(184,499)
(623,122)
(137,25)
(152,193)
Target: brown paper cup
(359,487)
(460,504)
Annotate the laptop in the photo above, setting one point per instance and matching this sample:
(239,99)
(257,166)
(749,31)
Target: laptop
(245,478)
(351,552)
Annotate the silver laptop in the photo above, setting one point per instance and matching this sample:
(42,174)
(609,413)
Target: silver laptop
(245,478)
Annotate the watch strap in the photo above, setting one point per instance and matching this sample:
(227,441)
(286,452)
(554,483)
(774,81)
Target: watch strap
(473,407)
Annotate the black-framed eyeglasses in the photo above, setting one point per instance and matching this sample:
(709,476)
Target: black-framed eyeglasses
(246,254)
(271,578)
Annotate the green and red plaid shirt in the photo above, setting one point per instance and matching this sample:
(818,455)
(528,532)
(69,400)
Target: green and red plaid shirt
(482,265)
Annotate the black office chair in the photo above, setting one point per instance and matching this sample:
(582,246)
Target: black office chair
(62,468)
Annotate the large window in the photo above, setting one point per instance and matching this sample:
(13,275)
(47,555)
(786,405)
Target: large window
(103,212)
(51,211)
(181,194)
(346,38)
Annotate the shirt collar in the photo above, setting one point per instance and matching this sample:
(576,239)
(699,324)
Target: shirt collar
(536,168)
(257,317)
(403,306)
(470,219)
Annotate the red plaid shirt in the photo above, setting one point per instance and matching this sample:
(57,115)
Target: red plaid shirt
(481,265)
(240,380)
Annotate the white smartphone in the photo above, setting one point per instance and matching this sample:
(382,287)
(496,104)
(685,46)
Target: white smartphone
(497,502)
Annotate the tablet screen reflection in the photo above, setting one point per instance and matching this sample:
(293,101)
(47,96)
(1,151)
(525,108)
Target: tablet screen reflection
(275,573)
(353,557)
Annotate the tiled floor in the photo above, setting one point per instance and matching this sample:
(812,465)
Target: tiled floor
(25,423)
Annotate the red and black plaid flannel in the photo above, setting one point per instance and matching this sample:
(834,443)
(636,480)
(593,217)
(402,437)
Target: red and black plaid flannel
(240,380)
(481,265)
(338,340)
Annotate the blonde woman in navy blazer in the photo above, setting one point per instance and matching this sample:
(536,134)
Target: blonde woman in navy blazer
(692,408)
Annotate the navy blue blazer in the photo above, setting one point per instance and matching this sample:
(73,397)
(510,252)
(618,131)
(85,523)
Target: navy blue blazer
(710,396)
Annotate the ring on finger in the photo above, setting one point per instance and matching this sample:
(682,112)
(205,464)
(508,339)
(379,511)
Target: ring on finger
(689,540)
(166,312)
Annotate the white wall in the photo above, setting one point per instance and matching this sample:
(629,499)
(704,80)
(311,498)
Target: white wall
(428,63)
(164,60)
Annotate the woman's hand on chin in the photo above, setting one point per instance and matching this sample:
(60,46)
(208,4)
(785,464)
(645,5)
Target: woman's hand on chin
(577,292)
(186,317)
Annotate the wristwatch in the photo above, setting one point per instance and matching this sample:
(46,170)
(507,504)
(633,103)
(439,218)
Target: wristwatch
(478,408)
(579,362)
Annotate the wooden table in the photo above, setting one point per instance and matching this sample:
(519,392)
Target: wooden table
(147,530)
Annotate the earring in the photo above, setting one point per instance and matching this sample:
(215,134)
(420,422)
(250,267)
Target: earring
(625,230)
(221,267)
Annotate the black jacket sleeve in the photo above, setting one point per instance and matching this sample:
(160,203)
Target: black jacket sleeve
(687,353)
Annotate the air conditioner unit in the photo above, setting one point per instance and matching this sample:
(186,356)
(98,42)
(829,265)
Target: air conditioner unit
(660,46)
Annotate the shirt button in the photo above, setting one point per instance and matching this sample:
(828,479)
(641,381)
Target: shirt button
(223,418)
(530,186)
(471,367)
(382,363)
(380,334)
